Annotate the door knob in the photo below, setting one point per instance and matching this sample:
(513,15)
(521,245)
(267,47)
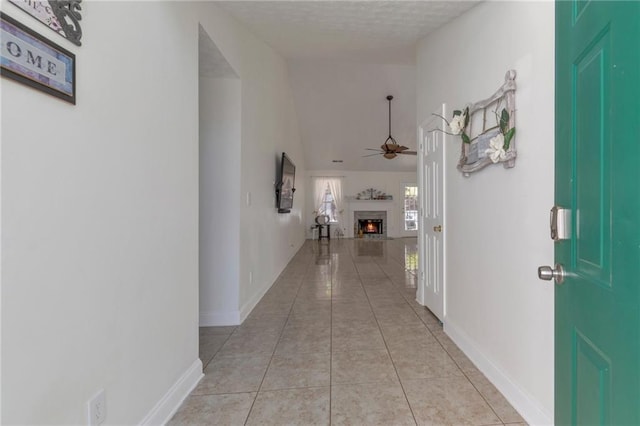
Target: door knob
(437,228)
(548,273)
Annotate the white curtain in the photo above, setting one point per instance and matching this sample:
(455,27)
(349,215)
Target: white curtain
(320,188)
(335,186)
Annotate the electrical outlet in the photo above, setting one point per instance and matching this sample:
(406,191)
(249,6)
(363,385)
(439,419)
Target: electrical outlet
(97,409)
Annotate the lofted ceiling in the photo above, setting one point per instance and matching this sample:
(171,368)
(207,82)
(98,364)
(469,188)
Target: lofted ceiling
(344,58)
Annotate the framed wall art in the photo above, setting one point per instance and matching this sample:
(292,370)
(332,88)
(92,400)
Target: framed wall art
(31,59)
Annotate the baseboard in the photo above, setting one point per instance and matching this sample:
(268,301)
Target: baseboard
(213,318)
(246,309)
(162,412)
(528,407)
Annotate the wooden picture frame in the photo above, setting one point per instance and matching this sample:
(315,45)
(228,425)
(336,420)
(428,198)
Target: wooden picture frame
(481,129)
(33,60)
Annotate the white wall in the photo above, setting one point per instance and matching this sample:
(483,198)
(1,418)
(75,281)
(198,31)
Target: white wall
(497,233)
(100,221)
(100,212)
(268,240)
(220,140)
(391,183)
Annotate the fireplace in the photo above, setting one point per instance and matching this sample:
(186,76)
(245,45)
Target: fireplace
(370,224)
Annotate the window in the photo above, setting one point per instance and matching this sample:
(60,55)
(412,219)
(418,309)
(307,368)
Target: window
(328,199)
(410,208)
(328,206)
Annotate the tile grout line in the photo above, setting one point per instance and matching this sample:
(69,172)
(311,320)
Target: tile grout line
(464,373)
(279,338)
(204,367)
(481,394)
(330,338)
(303,274)
(386,346)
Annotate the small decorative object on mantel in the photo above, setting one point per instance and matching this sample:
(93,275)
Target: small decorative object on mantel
(373,194)
(483,144)
(62,16)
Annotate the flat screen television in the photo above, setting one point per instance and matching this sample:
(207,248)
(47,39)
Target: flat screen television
(286,185)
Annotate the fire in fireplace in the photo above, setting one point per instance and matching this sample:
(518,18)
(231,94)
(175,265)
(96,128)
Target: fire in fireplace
(370,226)
(370,223)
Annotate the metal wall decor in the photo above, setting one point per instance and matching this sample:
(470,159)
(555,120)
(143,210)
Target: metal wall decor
(62,16)
(373,194)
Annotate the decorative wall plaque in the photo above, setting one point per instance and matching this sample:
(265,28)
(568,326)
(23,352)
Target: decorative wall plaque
(62,16)
(31,59)
(482,142)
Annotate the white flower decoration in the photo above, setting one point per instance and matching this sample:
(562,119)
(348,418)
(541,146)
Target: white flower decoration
(496,151)
(457,124)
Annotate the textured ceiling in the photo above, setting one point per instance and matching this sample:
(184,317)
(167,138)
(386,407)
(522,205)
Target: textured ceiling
(344,58)
(211,62)
(368,30)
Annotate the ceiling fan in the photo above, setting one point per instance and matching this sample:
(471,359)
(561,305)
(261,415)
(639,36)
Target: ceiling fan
(390,148)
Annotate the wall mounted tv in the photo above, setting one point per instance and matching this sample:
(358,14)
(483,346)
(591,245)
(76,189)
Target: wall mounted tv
(285,186)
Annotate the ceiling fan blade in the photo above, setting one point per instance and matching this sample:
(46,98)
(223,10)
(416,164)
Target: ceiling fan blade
(371,155)
(401,148)
(373,149)
(389,155)
(408,152)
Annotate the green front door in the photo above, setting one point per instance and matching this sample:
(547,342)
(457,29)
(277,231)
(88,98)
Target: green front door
(597,318)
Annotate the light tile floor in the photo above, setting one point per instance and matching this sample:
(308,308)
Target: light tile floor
(340,340)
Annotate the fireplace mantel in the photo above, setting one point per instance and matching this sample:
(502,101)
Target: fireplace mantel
(371,205)
(356,200)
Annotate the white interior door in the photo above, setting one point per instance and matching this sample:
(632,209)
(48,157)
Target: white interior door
(431,291)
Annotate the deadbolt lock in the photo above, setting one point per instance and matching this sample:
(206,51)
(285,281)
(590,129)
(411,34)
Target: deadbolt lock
(437,228)
(560,223)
